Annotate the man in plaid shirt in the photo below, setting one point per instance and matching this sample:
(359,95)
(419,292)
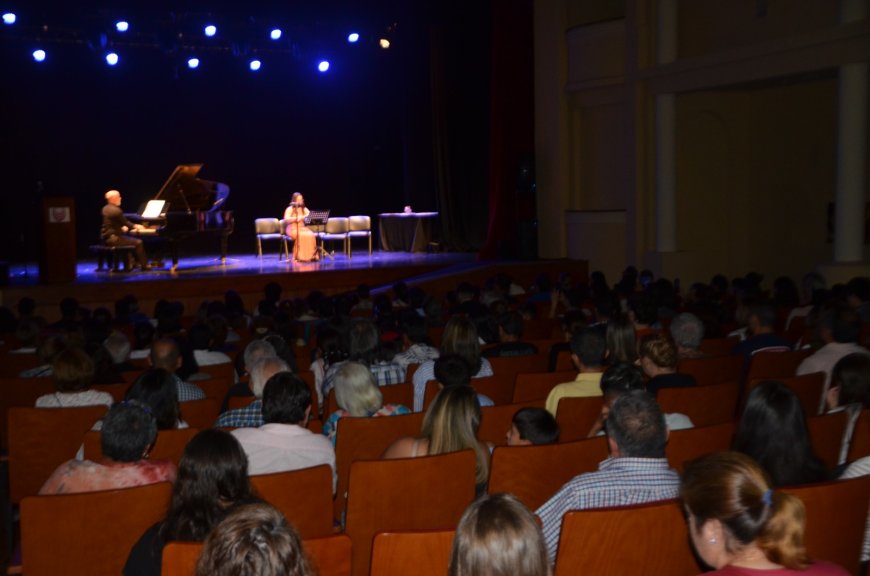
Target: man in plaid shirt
(251,416)
(636,471)
(165,355)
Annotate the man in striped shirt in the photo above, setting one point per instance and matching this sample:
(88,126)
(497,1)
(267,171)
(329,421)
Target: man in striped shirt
(636,472)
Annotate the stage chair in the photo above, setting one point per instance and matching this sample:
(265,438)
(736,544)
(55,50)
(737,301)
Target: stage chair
(704,405)
(495,421)
(499,388)
(423,553)
(575,416)
(537,386)
(860,445)
(534,473)
(426,493)
(685,445)
(808,388)
(393,394)
(336,229)
(22,393)
(366,439)
(826,436)
(513,365)
(359,227)
(90,533)
(200,414)
(329,556)
(169,444)
(270,229)
(836,517)
(303,496)
(718,346)
(40,440)
(775,365)
(605,541)
(714,369)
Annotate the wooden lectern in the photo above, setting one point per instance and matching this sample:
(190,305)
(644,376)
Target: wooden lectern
(57,251)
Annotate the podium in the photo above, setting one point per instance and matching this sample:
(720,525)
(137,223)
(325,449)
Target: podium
(57,251)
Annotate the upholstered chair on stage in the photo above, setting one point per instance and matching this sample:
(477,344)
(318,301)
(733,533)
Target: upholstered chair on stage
(270,229)
(336,229)
(359,227)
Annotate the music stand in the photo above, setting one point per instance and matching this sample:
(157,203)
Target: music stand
(318,218)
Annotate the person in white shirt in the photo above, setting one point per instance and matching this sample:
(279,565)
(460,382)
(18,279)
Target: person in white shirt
(283,443)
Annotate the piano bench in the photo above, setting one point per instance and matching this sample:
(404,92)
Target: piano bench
(113,257)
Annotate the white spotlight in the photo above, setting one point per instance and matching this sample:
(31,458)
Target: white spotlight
(112,59)
(353,37)
(122,26)
(210,30)
(275,34)
(254,65)
(323,66)
(384,43)
(9,18)
(193,63)
(39,55)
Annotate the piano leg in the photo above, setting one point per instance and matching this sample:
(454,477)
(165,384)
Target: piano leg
(224,239)
(173,250)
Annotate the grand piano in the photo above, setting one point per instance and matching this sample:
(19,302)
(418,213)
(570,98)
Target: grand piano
(184,206)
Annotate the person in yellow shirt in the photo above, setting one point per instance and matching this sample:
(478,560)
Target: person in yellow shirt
(587,353)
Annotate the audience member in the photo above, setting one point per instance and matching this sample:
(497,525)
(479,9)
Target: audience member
(73,375)
(166,356)
(740,525)
(658,359)
(587,355)
(498,536)
(129,431)
(636,471)
(255,350)
(620,340)
(858,291)
(532,426)
(415,342)
(251,416)
(253,540)
(850,393)
(156,389)
(358,396)
(118,347)
(364,348)
(510,333)
(460,338)
(773,431)
(46,351)
(283,442)
(212,480)
(762,338)
(687,331)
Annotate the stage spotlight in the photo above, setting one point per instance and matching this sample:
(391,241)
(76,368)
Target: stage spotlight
(275,34)
(210,30)
(122,26)
(193,63)
(112,59)
(353,37)
(9,18)
(254,65)
(323,66)
(39,55)
(384,43)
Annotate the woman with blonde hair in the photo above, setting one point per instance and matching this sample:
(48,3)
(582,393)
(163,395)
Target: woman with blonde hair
(740,525)
(450,425)
(357,395)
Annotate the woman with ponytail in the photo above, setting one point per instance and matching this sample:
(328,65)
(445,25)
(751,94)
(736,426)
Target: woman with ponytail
(740,525)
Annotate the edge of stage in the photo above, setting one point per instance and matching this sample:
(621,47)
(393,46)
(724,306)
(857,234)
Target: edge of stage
(200,278)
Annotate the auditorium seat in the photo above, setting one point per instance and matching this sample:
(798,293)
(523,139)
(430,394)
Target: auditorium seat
(513,365)
(718,346)
(534,473)
(808,388)
(200,414)
(499,388)
(826,436)
(422,553)
(713,369)
(775,365)
(860,445)
(575,416)
(87,534)
(22,393)
(704,405)
(495,421)
(425,493)
(626,541)
(303,496)
(168,445)
(685,445)
(537,386)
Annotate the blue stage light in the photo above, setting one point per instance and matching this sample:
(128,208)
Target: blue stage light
(323,66)
(192,63)
(254,65)
(112,59)
(39,55)
(122,25)
(210,30)
(9,18)
(353,37)
(275,34)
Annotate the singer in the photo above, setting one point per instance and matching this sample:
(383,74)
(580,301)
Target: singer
(304,240)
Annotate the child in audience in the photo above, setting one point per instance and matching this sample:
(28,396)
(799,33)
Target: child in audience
(532,426)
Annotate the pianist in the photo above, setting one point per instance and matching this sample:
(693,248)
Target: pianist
(116,226)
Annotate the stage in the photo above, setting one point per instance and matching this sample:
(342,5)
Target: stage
(200,278)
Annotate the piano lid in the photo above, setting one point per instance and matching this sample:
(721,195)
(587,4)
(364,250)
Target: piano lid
(185,192)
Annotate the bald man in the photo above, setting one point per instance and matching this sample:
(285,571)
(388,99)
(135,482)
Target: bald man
(116,226)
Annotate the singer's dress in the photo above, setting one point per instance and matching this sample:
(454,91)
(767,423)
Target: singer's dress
(305,242)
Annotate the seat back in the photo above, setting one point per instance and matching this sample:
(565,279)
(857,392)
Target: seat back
(267,226)
(225,372)
(328,556)
(200,414)
(337,225)
(714,369)
(605,541)
(575,416)
(836,517)
(860,445)
(718,346)
(534,473)
(685,445)
(303,496)
(775,365)
(498,388)
(513,365)
(537,386)
(40,440)
(808,388)
(423,553)
(495,421)
(826,436)
(20,392)
(704,405)
(426,493)
(236,402)
(360,224)
(89,533)
(366,439)
(169,444)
